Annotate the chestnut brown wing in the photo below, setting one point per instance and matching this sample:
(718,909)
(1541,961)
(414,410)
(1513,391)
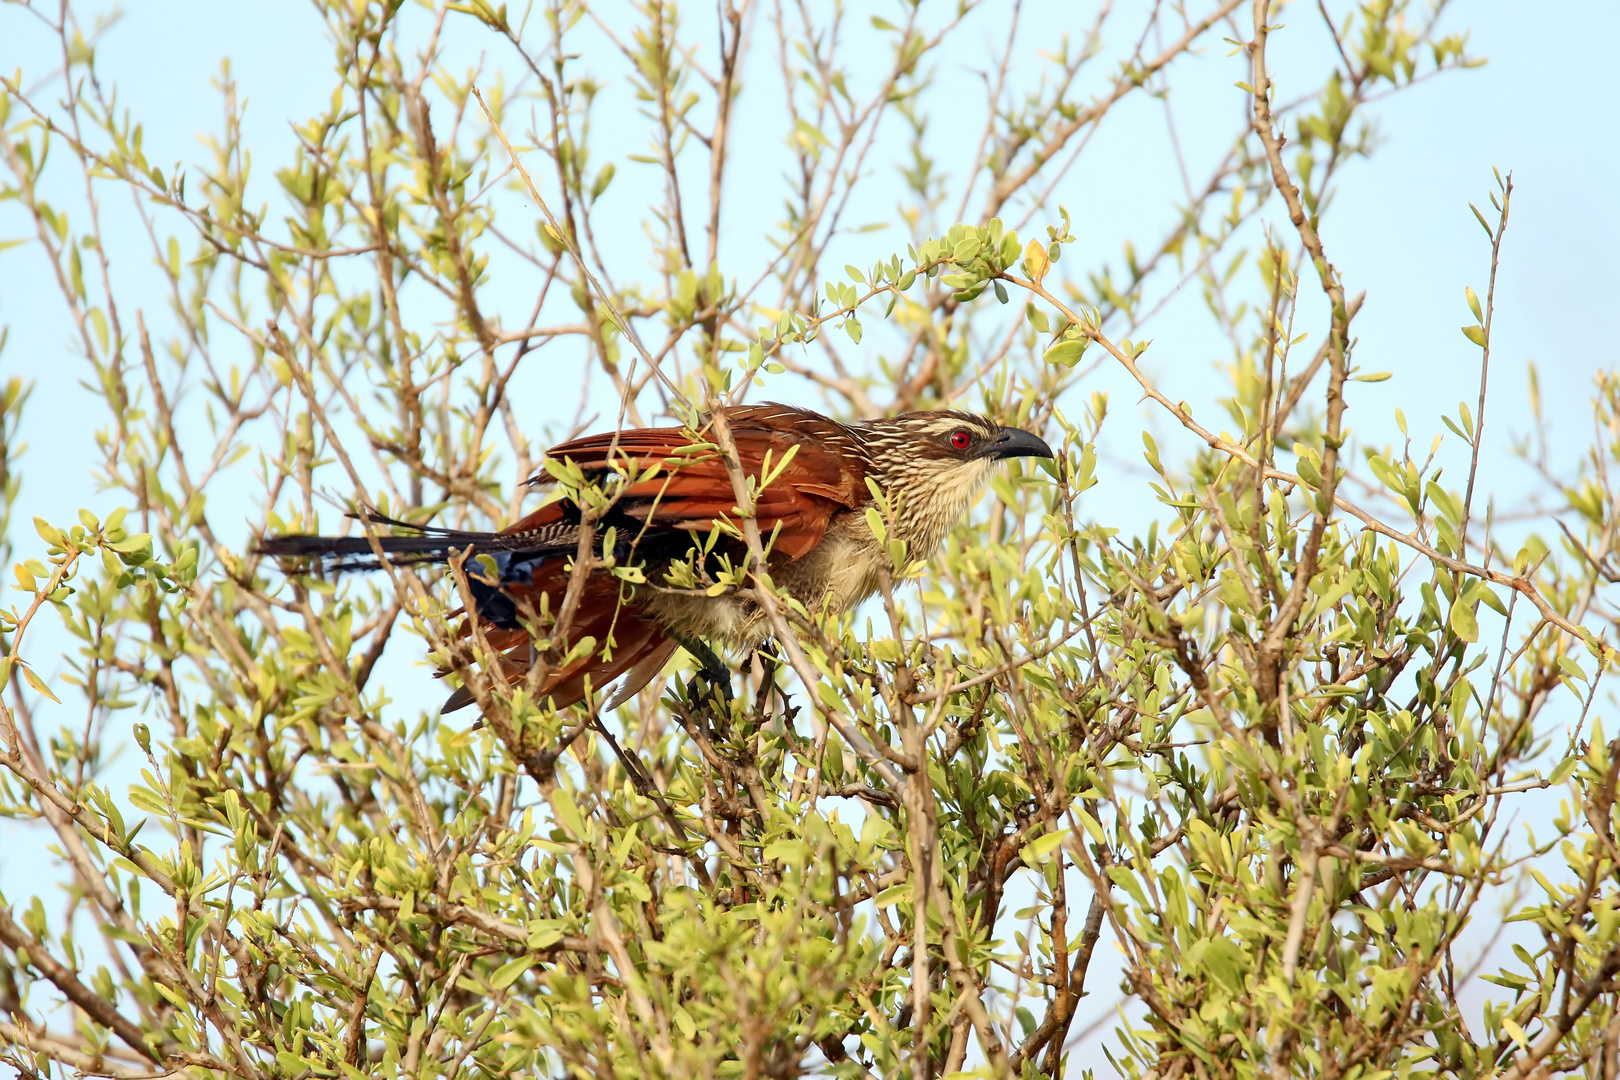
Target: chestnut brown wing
(688,488)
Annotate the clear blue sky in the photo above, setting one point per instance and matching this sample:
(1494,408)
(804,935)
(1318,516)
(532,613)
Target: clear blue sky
(1544,107)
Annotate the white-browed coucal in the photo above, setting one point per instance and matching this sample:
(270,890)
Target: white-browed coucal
(672,510)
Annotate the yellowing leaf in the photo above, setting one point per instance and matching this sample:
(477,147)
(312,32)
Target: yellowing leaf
(1093,826)
(1036,263)
(39,684)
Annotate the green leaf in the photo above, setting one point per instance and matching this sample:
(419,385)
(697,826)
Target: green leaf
(1223,959)
(509,972)
(874,521)
(98,322)
(1463,623)
(120,934)
(568,815)
(1127,881)
(1476,334)
(544,933)
(1309,465)
(1448,505)
(1092,825)
(893,895)
(1037,850)
(1066,353)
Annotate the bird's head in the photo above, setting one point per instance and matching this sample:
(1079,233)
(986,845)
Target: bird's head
(937,462)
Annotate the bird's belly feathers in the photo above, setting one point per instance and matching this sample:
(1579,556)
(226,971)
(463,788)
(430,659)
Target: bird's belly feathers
(836,575)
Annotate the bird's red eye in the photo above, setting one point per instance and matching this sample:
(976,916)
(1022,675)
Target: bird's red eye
(960,439)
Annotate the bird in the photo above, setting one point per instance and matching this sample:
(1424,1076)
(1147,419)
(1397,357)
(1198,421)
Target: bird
(667,508)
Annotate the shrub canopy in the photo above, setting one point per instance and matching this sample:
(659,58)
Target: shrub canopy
(1267,747)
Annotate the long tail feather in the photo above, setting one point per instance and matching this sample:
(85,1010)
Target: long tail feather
(428,544)
(527,565)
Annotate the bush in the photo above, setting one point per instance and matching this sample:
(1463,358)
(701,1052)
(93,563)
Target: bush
(1269,747)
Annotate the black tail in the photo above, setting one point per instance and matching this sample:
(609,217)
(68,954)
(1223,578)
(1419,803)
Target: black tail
(425,544)
(357,552)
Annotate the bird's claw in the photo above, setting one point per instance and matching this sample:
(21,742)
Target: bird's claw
(716,684)
(711,670)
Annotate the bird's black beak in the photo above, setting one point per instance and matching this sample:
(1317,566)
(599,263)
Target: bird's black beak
(1011,442)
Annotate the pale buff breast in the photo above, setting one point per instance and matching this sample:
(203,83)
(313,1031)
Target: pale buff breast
(834,576)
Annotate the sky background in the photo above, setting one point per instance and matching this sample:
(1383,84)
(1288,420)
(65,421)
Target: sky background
(1544,107)
(1541,107)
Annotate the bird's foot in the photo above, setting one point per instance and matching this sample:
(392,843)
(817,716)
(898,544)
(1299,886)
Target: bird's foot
(711,671)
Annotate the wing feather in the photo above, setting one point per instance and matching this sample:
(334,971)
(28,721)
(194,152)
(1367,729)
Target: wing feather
(681,485)
(691,488)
